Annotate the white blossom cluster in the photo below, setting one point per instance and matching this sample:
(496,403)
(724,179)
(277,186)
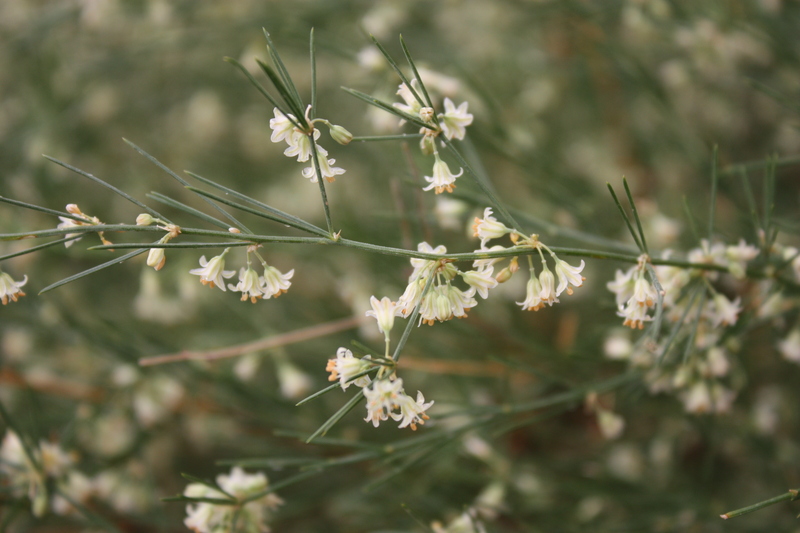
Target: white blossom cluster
(300,145)
(239,514)
(452,124)
(697,364)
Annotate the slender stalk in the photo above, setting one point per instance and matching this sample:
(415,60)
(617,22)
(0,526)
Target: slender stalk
(321,183)
(791,495)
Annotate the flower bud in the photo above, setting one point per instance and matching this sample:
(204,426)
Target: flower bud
(144,220)
(340,135)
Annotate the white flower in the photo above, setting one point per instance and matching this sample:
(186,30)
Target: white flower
(300,145)
(483,264)
(250,285)
(533,299)
(410,298)
(205,517)
(411,412)
(568,275)
(383,311)
(10,289)
(345,367)
(442,179)
(738,256)
(328,172)
(443,302)
(412,105)
(635,314)
(643,292)
(622,286)
(790,346)
(548,292)
(382,399)
(488,228)
(480,280)
(724,311)
(294,383)
(454,120)
(212,272)
(282,127)
(156,258)
(274,283)
(423,267)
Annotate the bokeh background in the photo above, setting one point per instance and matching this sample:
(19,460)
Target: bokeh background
(567,95)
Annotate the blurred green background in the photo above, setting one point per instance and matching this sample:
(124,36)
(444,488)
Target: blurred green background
(567,95)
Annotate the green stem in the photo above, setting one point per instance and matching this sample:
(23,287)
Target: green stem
(791,495)
(321,183)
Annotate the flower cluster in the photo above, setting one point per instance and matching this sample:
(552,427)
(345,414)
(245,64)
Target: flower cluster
(253,286)
(30,470)
(385,395)
(236,511)
(542,289)
(286,127)
(452,124)
(694,361)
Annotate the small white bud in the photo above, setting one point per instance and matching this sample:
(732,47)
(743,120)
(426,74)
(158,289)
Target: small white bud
(144,220)
(426,114)
(340,135)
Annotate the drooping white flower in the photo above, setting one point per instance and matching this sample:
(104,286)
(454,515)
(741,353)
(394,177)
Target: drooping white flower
(488,228)
(300,145)
(250,285)
(444,302)
(10,289)
(328,171)
(213,272)
(548,291)
(483,264)
(346,366)
(411,105)
(443,179)
(454,120)
(622,286)
(480,280)
(411,412)
(381,399)
(383,311)
(282,127)
(156,258)
(274,283)
(410,298)
(533,295)
(206,517)
(568,276)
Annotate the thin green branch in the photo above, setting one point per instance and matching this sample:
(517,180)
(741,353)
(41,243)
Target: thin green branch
(92,270)
(625,218)
(790,496)
(166,200)
(264,92)
(108,186)
(284,73)
(397,69)
(286,218)
(428,101)
(346,408)
(635,215)
(321,183)
(400,137)
(185,183)
(313,59)
(389,108)
(39,247)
